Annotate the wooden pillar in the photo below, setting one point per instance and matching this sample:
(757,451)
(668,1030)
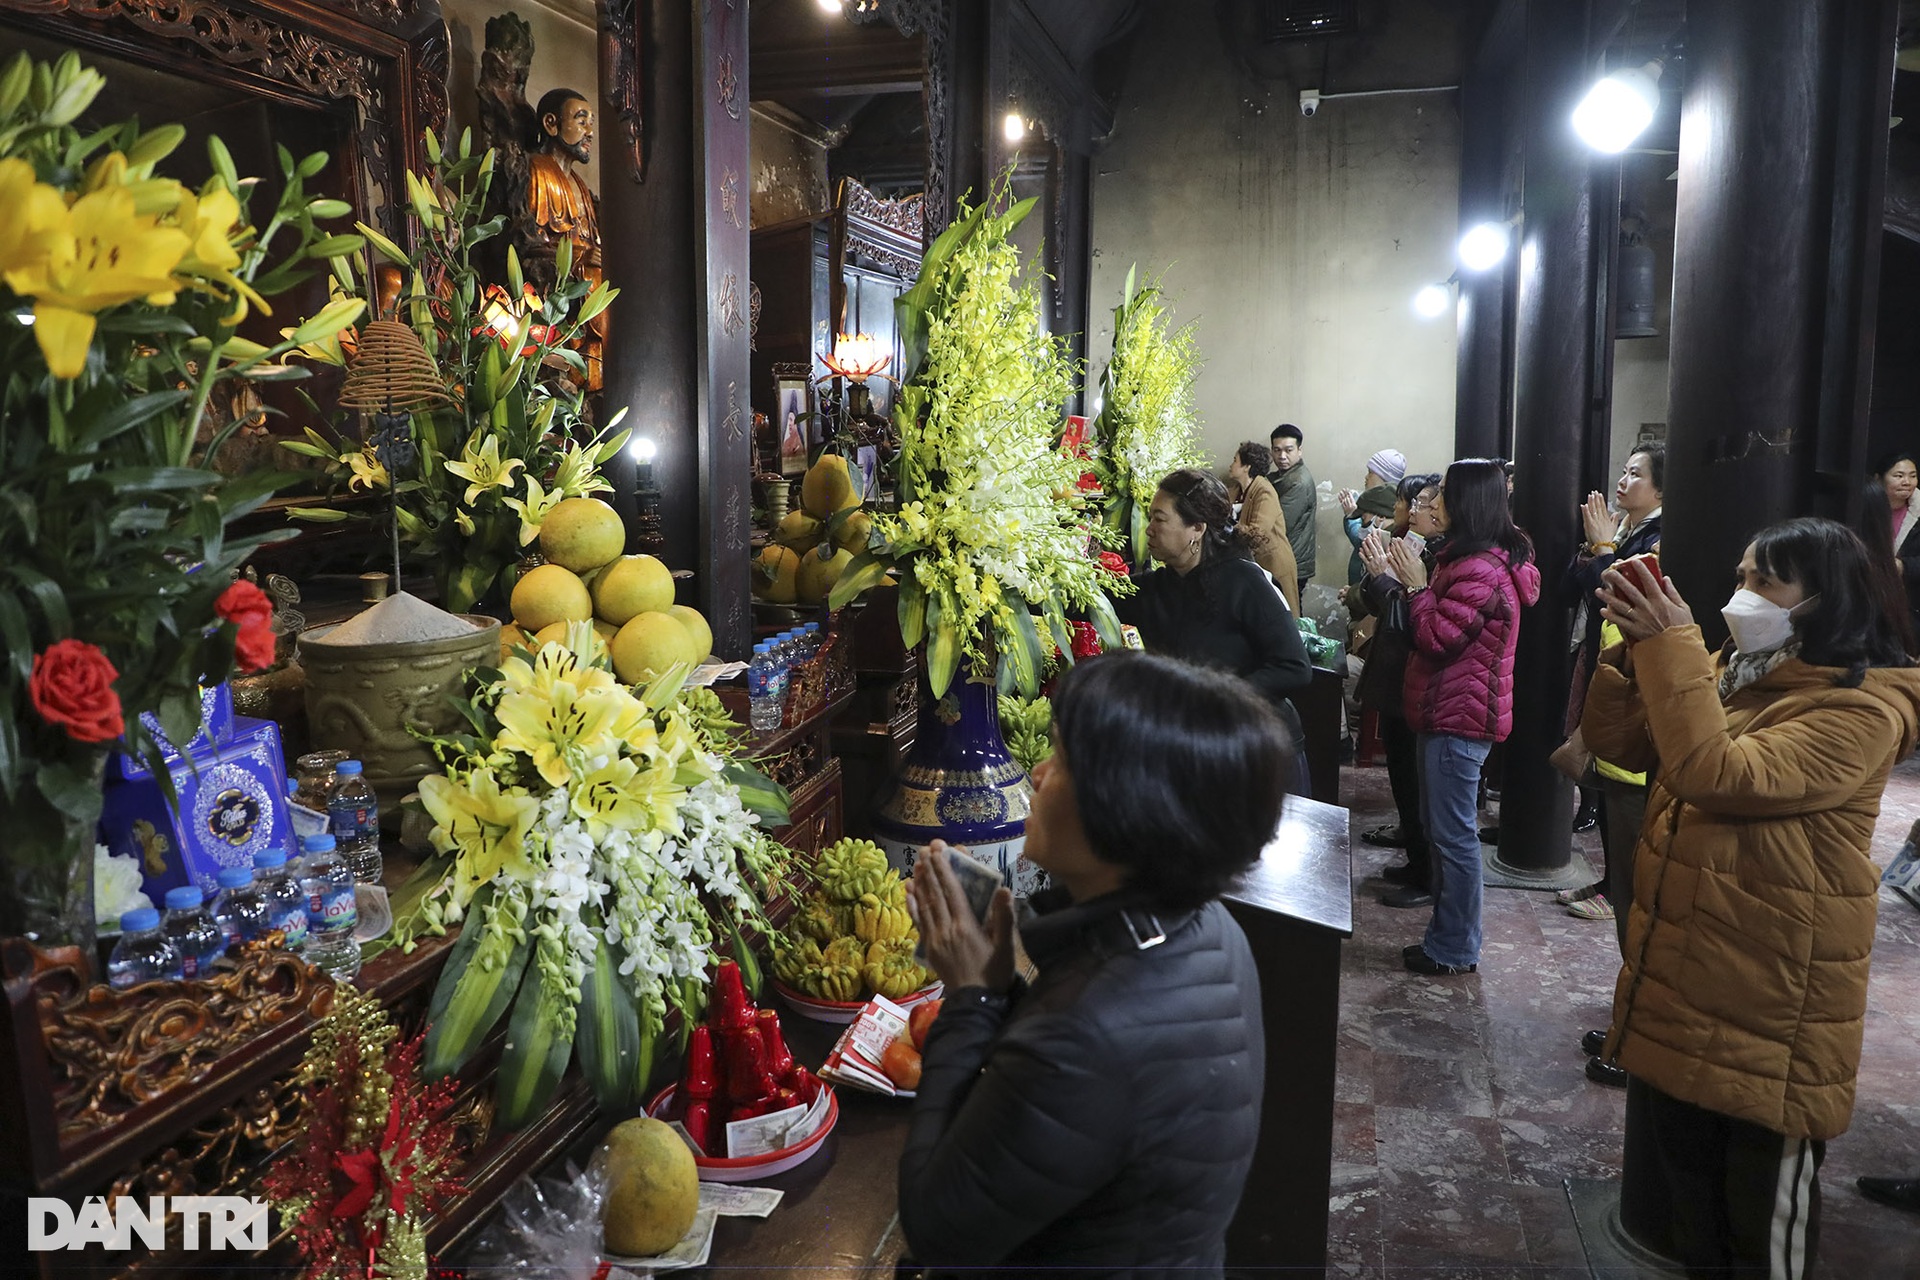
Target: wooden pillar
(1776,267)
(1482,413)
(675,230)
(1555,266)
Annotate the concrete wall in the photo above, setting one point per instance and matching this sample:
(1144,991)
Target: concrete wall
(565,52)
(1296,244)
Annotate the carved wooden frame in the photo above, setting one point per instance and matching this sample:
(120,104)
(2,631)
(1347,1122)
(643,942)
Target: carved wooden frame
(386,61)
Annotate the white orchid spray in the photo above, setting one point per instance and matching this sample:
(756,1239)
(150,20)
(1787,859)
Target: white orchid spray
(596,845)
(1148,425)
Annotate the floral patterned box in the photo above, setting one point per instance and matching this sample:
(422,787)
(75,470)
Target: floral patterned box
(232,805)
(216,727)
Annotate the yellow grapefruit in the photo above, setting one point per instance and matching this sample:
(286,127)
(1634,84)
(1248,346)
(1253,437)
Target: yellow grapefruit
(582,534)
(632,585)
(696,626)
(648,645)
(550,594)
(653,1188)
(817,576)
(827,488)
(773,575)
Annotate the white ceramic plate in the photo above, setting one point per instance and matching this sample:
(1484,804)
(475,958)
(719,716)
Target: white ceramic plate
(752,1168)
(844,1012)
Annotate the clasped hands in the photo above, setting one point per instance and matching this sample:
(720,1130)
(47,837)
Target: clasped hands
(961,951)
(1381,554)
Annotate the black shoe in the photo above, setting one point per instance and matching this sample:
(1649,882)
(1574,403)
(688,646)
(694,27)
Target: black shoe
(1587,816)
(1420,962)
(1407,895)
(1901,1193)
(1594,1043)
(1404,873)
(1489,835)
(1600,1071)
(1409,952)
(1384,837)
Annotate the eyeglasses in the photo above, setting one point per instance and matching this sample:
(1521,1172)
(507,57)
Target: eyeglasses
(1424,504)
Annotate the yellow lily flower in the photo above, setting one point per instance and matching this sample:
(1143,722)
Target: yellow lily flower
(534,509)
(563,734)
(486,828)
(552,665)
(32,217)
(211,220)
(604,799)
(367,469)
(110,255)
(575,477)
(482,469)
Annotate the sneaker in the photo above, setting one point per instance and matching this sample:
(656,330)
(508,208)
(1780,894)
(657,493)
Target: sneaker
(1595,908)
(1418,961)
(1386,837)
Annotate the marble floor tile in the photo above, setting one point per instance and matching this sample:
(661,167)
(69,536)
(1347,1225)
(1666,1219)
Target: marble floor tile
(1472,1093)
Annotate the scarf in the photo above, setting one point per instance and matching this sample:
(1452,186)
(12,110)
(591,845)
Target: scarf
(1745,668)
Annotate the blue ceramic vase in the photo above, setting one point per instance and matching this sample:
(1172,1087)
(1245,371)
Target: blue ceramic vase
(959,784)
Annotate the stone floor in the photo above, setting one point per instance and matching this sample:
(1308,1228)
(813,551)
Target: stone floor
(1462,1108)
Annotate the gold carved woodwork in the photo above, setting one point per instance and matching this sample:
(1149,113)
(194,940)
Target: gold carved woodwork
(111,1051)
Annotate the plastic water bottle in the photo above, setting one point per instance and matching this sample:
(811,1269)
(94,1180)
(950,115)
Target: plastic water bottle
(195,937)
(143,953)
(241,909)
(286,904)
(331,912)
(353,813)
(812,639)
(766,689)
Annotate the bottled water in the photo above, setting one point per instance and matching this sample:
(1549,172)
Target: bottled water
(286,904)
(811,640)
(241,910)
(195,937)
(353,813)
(766,688)
(331,912)
(143,953)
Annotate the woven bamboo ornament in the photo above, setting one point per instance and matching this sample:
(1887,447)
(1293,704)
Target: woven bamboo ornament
(393,372)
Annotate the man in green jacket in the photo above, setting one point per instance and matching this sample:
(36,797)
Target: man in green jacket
(1294,483)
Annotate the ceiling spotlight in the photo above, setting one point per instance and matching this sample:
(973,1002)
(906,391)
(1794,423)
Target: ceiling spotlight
(829,6)
(1484,246)
(1014,126)
(1619,108)
(1432,301)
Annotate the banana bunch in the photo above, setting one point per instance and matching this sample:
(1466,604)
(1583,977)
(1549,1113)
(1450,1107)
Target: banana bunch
(836,974)
(890,968)
(850,868)
(877,920)
(792,958)
(819,920)
(1026,726)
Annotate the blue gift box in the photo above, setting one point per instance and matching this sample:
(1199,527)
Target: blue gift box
(232,804)
(216,729)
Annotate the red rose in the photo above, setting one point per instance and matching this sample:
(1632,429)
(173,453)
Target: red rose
(1089,482)
(244,605)
(254,648)
(1113,563)
(1086,641)
(247,608)
(72,686)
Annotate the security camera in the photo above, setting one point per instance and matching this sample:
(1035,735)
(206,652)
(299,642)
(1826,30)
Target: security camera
(1309,102)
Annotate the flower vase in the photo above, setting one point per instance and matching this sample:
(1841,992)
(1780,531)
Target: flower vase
(46,888)
(960,784)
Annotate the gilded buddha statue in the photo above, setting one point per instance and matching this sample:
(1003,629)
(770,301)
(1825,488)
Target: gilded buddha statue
(559,205)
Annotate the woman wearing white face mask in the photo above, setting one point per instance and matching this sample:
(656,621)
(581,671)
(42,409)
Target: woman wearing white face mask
(1740,1005)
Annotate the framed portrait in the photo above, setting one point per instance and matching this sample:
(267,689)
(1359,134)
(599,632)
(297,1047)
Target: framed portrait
(792,414)
(867,458)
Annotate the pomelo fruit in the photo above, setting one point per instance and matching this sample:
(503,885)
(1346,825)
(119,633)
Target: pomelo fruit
(582,534)
(632,585)
(696,626)
(817,576)
(549,594)
(653,1188)
(556,633)
(827,488)
(511,638)
(773,575)
(605,630)
(648,645)
(798,530)
(854,532)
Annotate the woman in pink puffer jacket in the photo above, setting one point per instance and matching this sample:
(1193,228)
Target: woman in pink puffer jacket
(1459,689)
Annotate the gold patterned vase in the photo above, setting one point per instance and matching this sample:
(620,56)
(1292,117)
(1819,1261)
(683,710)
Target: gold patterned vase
(960,784)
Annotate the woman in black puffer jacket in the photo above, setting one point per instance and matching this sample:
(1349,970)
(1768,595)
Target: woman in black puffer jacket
(1103,1119)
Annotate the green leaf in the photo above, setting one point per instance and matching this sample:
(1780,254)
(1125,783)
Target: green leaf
(67,789)
(1106,623)
(862,572)
(534,1056)
(1138,537)
(14,84)
(1057,627)
(760,794)
(47,594)
(943,648)
(609,1030)
(125,415)
(222,161)
(332,318)
(1024,655)
(319,515)
(19,638)
(912,609)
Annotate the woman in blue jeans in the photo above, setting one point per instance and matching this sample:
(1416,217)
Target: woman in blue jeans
(1459,688)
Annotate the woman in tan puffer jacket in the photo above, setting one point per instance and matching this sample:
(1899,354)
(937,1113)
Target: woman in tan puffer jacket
(1739,1008)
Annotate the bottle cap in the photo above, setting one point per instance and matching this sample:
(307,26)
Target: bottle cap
(234,877)
(347,766)
(139,920)
(270,858)
(317,844)
(184,898)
